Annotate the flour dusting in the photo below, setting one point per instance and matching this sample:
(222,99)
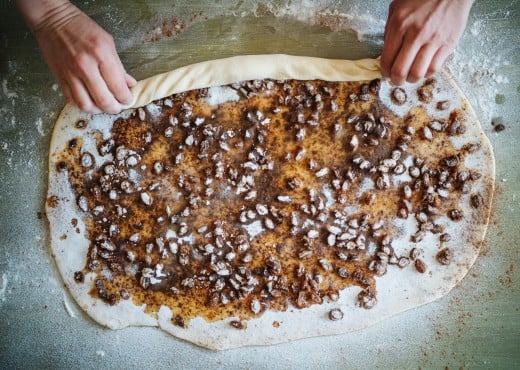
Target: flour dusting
(367,20)
(478,69)
(9,94)
(221,94)
(3,287)
(68,306)
(39,126)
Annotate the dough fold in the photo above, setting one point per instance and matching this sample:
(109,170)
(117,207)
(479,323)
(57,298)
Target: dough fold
(250,67)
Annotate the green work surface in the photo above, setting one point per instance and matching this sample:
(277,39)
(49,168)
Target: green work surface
(476,326)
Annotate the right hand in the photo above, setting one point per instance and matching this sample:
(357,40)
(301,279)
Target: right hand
(420,35)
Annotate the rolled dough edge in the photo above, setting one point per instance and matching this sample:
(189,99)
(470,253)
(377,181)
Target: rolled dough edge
(250,67)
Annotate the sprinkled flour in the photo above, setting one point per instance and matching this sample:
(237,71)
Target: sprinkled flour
(221,94)
(3,288)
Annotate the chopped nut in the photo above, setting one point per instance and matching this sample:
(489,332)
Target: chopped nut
(367,298)
(500,127)
(261,209)
(444,256)
(375,85)
(398,96)
(403,262)
(451,161)
(443,105)
(146,198)
(342,272)
(238,325)
(455,214)
(354,142)
(189,140)
(427,133)
(476,201)
(326,264)
(141,113)
(420,266)
(414,253)
(323,172)
(335,314)
(407,191)
(269,223)
(79,277)
(256,307)
(425,94)
(284,199)
(445,237)
(87,160)
(83,203)
(157,168)
(436,126)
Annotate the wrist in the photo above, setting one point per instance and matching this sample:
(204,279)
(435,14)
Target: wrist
(37,14)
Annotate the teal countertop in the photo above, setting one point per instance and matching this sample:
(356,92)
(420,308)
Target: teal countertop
(476,326)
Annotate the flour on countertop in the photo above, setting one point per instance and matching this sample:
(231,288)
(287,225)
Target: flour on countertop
(9,94)
(3,288)
(39,126)
(68,306)
(479,61)
(367,20)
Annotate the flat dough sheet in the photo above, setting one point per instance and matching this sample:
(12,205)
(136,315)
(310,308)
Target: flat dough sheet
(396,292)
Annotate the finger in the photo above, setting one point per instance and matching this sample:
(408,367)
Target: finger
(392,45)
(100,93)
(391,8)
(422,62)
(393,39)
(130,81)
(67,92)
(403,61)
(81,96)
(114,75)
(438,60)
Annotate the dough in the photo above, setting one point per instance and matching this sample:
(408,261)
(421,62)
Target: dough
(397,290)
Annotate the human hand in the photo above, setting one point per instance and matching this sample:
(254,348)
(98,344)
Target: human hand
(81,55)
(420,35)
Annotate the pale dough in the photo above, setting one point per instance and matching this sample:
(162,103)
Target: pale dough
(396,292)
(251,67)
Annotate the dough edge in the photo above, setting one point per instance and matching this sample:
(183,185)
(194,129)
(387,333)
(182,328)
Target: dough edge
(251,67)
